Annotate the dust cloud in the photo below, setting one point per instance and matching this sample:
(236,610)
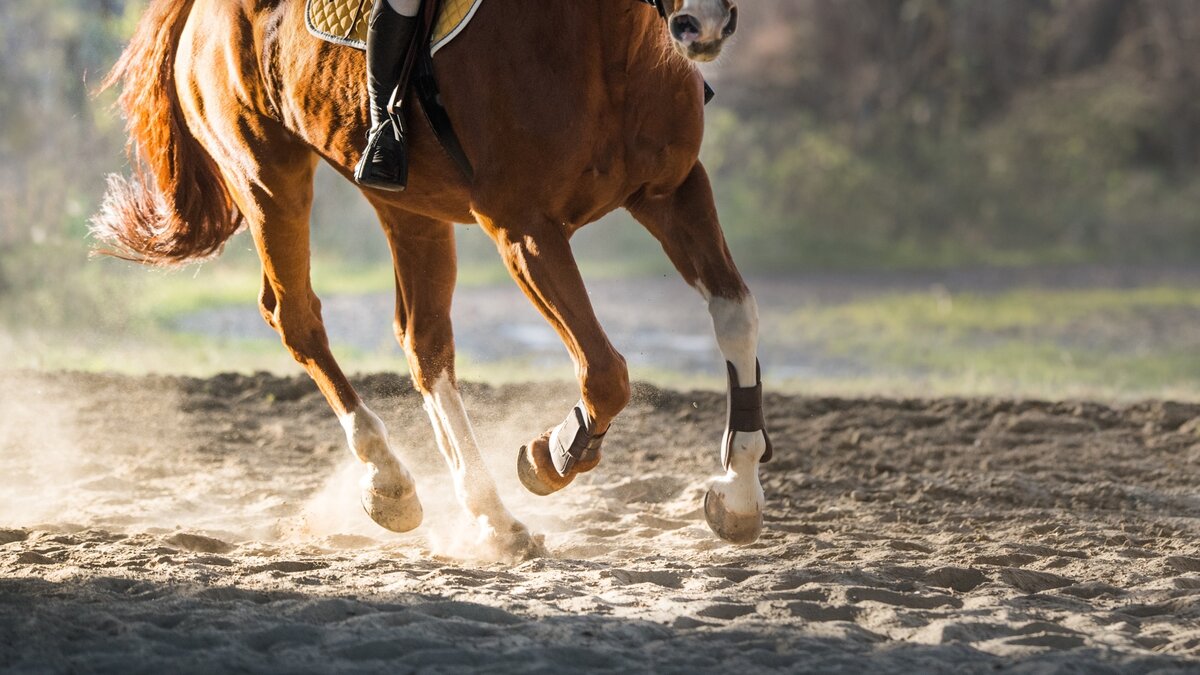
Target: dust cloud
(171,455)
(45,471)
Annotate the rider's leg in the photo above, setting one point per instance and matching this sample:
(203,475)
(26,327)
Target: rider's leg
(384,164)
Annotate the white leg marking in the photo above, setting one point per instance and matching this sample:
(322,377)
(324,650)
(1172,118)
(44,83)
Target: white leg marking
(368,441)
(739,490)
(740,485)
(474,485)
(736,325)
(388,491)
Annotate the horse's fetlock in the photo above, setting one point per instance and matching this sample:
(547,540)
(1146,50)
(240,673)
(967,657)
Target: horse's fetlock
(748,450)
(367,437)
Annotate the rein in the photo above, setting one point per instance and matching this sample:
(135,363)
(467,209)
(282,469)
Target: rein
(658,4)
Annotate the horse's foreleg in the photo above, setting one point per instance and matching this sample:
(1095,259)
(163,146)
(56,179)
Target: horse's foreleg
(538,256)
(277,208)
(426,267)
(687,226)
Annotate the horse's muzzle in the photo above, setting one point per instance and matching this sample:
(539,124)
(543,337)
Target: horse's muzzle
(700,36)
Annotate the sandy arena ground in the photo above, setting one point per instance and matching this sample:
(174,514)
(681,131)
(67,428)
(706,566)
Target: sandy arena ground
(178,525)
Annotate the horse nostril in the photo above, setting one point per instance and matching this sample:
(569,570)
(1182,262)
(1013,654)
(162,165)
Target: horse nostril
(685,27)
(732,25)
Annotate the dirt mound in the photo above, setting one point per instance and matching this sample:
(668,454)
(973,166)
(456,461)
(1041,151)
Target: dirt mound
(179,524)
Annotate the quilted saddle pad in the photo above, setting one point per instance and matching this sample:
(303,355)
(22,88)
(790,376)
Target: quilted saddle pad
(344,22)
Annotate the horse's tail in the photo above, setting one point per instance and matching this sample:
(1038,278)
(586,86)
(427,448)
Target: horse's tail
(176,207)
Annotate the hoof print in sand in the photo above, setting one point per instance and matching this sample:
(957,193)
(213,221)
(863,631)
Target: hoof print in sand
(12,536)
(197,543)
(1031,581)
(961,579)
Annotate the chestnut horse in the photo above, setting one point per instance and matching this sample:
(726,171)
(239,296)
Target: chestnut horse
(566,110)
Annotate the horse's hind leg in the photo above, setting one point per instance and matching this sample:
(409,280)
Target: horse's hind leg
(426,268)
(686,224)
(277,207)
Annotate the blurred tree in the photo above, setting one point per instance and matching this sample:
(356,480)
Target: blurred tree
(965,130)
(897,67)
(56,142)
(846,132)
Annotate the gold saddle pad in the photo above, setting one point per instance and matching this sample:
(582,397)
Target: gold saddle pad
(344,22)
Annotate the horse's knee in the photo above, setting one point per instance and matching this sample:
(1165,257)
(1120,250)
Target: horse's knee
(606,386)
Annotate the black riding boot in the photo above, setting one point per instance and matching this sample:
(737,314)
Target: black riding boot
(384,164)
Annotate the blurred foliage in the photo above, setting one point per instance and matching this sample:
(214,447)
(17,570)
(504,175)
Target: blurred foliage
(846,133)
(959,132)
(56,144)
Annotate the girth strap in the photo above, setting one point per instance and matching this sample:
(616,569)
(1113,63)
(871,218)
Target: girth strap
(658,4)
(745,413)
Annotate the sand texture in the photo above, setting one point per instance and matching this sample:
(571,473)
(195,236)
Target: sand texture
(181,525)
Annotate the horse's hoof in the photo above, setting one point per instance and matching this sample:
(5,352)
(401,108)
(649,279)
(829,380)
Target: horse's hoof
(521,544)
(398,512)
(735,528)
(536,469)
(517,544)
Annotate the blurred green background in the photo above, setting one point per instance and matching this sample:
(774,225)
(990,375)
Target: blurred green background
(990,197)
